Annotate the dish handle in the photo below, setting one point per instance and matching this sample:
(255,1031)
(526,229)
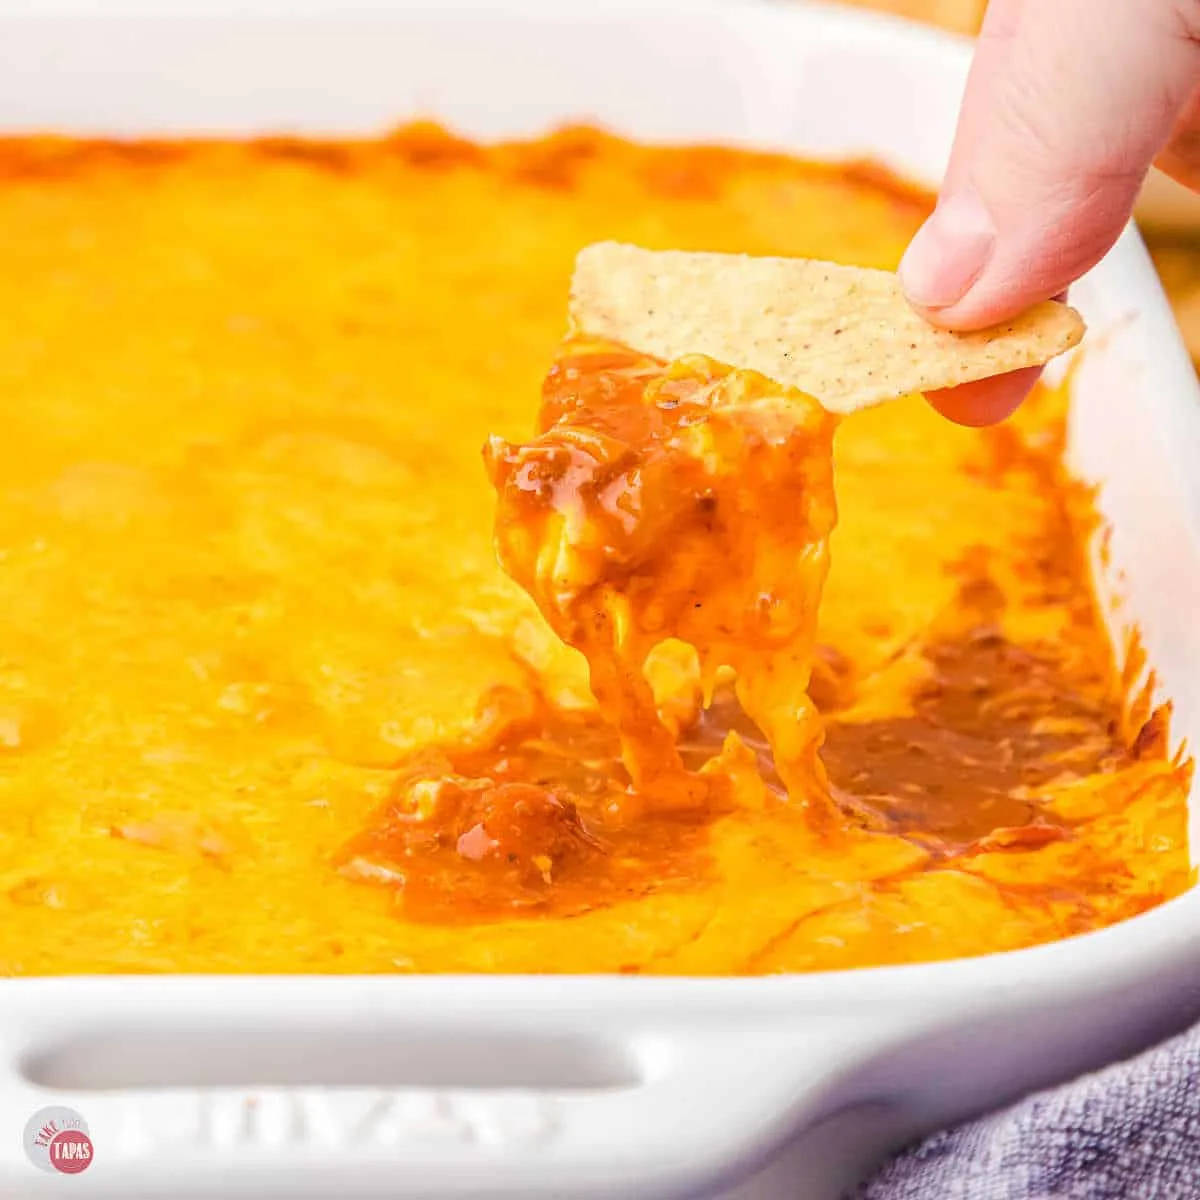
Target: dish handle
(668,1116)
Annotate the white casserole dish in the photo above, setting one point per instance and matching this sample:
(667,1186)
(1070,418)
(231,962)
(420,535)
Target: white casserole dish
(600,1087)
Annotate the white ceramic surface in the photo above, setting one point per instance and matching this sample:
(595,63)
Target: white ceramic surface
(597,1087)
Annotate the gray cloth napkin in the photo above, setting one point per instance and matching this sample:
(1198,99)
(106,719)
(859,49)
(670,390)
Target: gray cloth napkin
(1130,1132)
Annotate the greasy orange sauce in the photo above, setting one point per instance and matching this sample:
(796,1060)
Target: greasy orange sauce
(692,504)
(268,701)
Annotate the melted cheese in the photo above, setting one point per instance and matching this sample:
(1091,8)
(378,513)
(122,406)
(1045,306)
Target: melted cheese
(251,600)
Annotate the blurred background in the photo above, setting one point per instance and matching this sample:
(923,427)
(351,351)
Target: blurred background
(1169,216)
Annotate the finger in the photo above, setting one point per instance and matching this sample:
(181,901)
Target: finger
(1181,157)
(988,66)
(986,401)
(1067,106)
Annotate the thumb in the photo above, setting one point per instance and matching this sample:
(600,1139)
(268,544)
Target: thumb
(1067,105)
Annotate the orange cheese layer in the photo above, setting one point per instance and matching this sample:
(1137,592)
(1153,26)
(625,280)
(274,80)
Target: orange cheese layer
(252,607)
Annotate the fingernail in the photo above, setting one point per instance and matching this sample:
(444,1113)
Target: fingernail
(949,252)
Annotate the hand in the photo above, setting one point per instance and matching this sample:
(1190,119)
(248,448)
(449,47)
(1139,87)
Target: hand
(1068,105)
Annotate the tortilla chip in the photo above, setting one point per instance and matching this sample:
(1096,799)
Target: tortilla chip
(845,335)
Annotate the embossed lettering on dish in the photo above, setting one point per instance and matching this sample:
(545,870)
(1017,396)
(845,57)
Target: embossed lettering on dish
(238,1121)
